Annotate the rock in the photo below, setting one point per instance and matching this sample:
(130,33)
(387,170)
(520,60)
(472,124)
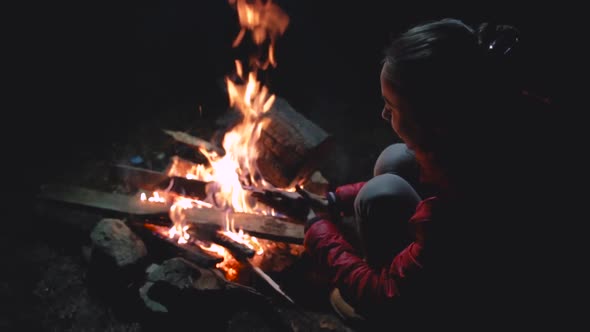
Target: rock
(113,238)
(117,265)
(181,274)
(149,303)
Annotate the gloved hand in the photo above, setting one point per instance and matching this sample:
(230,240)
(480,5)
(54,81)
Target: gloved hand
(321,207)
(301,205)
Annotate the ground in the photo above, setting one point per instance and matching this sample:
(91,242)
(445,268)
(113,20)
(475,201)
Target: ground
(45,287)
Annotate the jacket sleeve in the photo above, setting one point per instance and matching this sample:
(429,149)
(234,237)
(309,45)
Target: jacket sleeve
(347,270)
(345,196)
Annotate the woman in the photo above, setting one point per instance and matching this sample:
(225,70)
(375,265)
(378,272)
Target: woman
(456,180)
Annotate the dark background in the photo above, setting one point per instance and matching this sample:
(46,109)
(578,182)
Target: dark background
(102,67)
(96,74)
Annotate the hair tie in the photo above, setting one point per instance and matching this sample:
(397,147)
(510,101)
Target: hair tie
(498,39)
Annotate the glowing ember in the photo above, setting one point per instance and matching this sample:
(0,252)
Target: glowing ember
(155,198)
(229,264)
(245,239)
(178,216)
(180,231)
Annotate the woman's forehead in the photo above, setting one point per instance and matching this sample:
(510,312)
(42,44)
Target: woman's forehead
(388,77)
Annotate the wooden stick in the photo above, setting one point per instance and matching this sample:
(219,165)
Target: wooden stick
(211,233)
(195,141)
(151,233)
(238,250)
(266,227)
(102,200)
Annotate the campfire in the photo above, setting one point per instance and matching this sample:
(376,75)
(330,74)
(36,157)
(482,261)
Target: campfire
(186,243)
(233,166)
(204,212)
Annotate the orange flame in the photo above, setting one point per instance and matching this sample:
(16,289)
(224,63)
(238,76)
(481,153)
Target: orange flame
(155,198)
(265,20)
(179,230)
(229,264)
(191,172)
(247,240)
(237,168)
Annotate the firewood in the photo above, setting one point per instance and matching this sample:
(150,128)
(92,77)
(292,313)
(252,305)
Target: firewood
(266,227)
(211,233)
(237,249)
(291,146)
(195,142)
(154,237)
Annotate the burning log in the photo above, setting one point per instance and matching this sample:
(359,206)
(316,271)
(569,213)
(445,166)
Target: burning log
(181,167)
(211,233)
(261,226)
(237,249)
(291,146)
(188,251)
(118,203)
(140,178)
(268,227)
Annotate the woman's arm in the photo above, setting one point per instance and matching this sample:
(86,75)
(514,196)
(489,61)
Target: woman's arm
(366,286)
(344,197)
(347,270)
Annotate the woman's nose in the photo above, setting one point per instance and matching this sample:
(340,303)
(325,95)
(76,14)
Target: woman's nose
(385,114)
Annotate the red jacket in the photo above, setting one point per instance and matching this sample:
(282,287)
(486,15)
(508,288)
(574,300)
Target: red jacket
(366,287)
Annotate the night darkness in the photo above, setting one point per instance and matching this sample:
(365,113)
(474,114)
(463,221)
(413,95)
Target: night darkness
(100,70)
(104,66)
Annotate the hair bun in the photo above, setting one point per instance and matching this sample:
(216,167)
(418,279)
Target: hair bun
(498,39)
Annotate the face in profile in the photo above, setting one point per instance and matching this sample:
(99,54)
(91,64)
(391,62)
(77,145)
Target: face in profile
(396,111)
